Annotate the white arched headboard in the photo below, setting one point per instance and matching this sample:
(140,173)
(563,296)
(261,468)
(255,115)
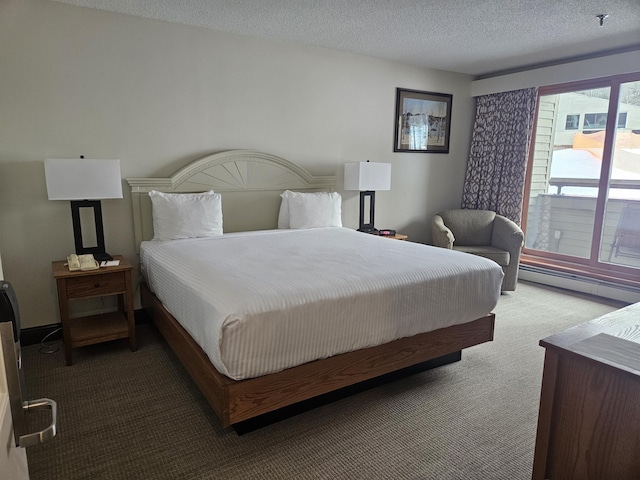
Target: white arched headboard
(250,183)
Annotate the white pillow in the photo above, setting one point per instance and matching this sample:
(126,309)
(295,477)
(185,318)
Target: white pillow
(314,210)
(283,215)
(186,215)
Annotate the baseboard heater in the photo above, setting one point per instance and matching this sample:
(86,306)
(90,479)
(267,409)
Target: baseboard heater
(579,283)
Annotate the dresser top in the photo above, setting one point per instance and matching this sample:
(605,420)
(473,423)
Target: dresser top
(613,339)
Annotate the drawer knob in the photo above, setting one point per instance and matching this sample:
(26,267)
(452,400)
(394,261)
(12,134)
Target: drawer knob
(96,285)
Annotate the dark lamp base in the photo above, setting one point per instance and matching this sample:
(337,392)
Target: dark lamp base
(102,257)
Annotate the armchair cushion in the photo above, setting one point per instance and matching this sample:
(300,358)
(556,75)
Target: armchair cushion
(501,257)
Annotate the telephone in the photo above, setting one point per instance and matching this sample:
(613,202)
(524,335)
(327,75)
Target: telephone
(81,262)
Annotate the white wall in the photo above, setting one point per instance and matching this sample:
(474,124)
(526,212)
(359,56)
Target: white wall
(77,81)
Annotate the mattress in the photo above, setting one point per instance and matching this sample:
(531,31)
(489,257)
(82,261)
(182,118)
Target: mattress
(260,302)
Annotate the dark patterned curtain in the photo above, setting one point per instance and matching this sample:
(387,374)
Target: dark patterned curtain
(499,152)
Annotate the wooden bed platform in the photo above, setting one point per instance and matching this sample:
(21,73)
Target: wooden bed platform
(235,401)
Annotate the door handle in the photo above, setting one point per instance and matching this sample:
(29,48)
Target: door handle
(36,438)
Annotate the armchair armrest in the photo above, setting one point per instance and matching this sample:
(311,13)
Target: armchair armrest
(507,235)
(441,235)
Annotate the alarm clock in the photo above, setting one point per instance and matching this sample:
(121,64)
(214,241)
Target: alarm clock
(386,232)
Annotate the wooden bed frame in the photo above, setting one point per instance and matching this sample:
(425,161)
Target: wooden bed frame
(252,178)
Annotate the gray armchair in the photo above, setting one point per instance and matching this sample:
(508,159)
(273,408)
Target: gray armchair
(483,233)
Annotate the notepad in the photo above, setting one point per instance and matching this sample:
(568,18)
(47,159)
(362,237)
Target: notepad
(110,263)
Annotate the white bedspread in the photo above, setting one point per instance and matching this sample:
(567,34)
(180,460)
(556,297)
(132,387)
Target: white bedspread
(260,302)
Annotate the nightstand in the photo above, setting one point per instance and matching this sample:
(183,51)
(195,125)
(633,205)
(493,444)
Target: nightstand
(105,281)
(397,236)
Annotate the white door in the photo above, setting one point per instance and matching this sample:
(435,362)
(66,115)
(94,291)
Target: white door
(13,460)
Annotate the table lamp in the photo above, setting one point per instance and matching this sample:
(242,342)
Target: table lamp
(85,182)
(367,177)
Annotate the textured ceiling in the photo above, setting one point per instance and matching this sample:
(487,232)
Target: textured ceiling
(477,37)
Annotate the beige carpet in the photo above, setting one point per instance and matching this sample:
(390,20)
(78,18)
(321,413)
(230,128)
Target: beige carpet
(125,415)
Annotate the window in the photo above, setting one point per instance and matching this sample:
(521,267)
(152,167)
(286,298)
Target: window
(582,200)
(622,120)
(595,121)
(573,122)
(598,121)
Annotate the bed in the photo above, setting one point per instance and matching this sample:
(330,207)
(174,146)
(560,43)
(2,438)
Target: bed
(362,316)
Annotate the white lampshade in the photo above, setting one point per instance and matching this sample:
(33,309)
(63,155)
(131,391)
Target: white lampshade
(82,179)
(366,176)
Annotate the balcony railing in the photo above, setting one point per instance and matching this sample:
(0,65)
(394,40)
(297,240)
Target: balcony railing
(559,183)
(564,223)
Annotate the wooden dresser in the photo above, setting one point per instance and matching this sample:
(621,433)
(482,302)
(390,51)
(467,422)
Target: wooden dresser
(589,419)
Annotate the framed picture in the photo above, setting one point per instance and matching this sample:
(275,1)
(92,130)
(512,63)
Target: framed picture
(423,121)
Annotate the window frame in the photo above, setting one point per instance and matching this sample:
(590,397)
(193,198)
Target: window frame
(590,267)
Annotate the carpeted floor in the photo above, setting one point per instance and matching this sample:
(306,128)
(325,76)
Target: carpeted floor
(125,415)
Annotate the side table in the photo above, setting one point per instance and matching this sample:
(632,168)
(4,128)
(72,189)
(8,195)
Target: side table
(397,236)
(105,281)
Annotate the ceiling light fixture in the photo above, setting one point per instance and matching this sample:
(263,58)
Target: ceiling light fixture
(602,16)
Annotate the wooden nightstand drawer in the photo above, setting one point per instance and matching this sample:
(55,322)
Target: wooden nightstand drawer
(96,285)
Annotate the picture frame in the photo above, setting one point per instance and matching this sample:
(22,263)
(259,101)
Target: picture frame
(422,121)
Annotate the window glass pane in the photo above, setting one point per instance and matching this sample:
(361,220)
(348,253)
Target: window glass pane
(621,230)
(595,121)
(573,122)
(622,119)
(566,172)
